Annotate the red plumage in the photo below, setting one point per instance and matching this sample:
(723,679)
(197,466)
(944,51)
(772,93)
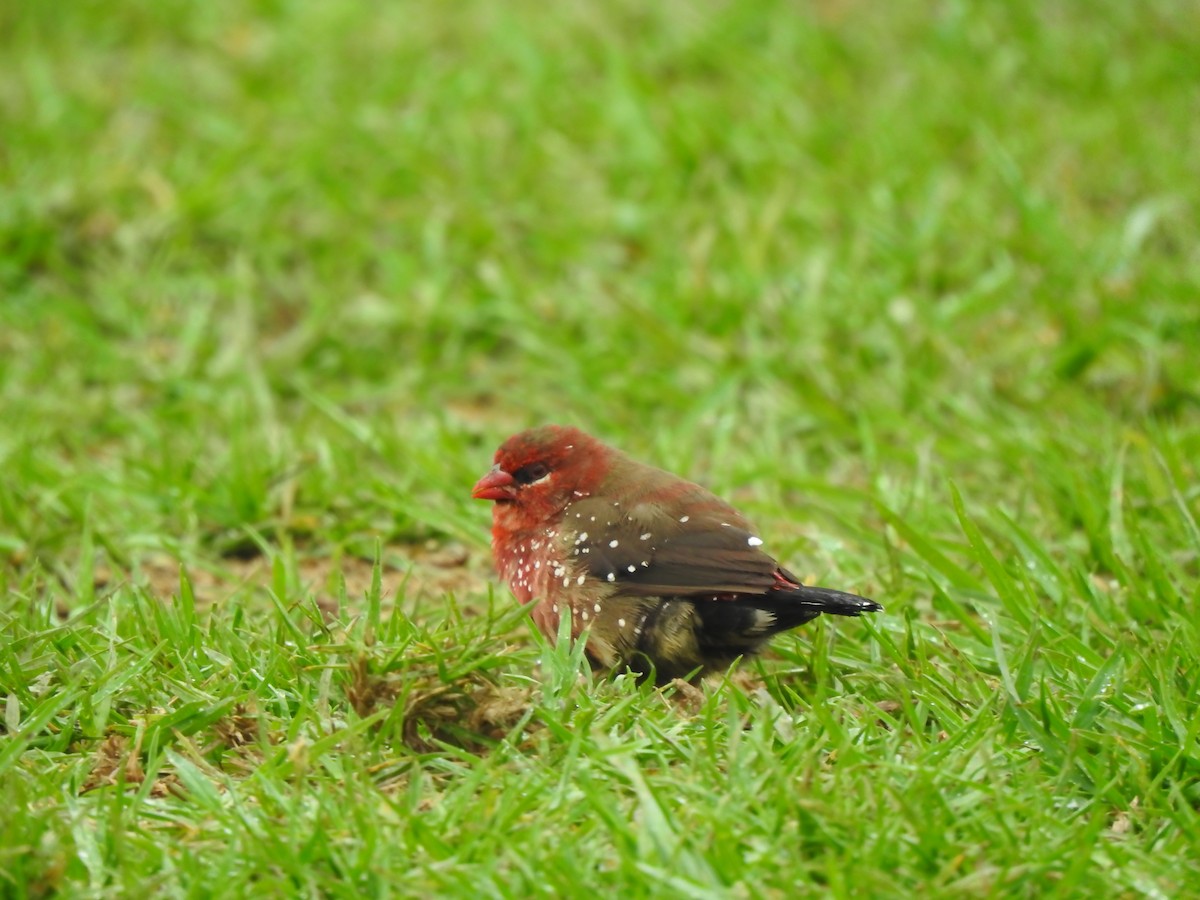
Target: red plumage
(662,575)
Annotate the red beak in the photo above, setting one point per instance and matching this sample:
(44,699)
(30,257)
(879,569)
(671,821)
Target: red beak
(495,485)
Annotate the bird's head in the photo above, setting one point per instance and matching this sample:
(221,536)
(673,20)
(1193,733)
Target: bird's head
(539,472)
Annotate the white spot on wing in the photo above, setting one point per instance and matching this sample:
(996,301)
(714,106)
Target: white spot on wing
(754,541)
(614,542)
(644,537)
(612,576)
(684,518)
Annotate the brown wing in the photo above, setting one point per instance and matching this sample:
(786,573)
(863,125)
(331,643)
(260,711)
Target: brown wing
(646,551)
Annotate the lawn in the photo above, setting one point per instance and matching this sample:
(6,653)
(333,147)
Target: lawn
(916,286)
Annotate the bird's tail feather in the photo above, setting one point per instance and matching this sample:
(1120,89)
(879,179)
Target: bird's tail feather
(829,601)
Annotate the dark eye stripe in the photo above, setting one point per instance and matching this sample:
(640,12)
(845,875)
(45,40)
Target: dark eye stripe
(531,473)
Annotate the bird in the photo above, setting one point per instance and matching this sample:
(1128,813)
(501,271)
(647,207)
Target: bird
(665,579)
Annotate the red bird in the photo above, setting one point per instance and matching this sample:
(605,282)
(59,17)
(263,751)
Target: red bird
(663,576)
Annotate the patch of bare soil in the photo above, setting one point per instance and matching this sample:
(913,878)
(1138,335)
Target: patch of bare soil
(414,571)
(469,712)
(115,762)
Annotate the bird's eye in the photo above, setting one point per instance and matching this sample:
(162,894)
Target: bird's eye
(531,473)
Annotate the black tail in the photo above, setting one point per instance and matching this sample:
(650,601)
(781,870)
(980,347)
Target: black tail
(741,625)
(803,604)
(827,600)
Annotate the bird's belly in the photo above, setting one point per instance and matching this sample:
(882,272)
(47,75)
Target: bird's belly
(644,634)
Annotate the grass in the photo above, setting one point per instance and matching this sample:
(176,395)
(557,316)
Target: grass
(916,287)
